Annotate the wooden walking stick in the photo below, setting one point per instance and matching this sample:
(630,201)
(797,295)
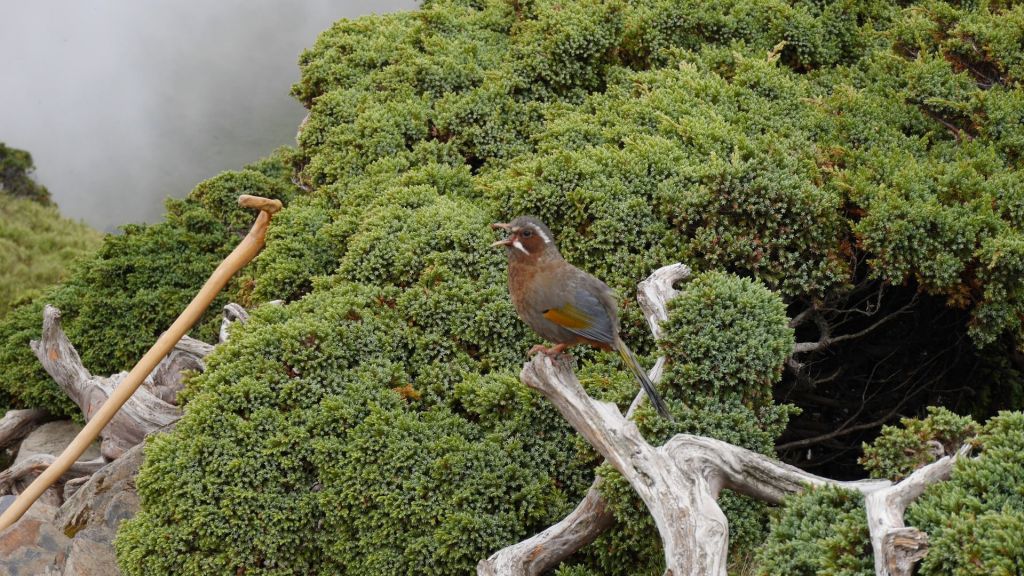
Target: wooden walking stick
(239,257)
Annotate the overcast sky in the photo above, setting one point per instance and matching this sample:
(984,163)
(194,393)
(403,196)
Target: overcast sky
(123,103)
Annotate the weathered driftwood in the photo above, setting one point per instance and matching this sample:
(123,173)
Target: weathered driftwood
(232,313)
(546,550)
(898,547)
(147,411)
(680,482)
(17,424)
(590,518)
(143,413)
(168,378)
(153,407)
(10,479)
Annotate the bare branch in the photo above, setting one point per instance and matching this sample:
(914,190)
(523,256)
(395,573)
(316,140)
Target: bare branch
(33,465)
(751,473)
(232,313)
(841,431)
(654,293)
(16,424)
(827,340)
(802,317)
(546,550)
(896,547)
(680,483)
(693,528)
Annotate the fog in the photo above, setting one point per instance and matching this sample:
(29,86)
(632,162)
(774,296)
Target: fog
(123,103)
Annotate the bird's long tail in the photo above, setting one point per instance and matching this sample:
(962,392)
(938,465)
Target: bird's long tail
(641,375)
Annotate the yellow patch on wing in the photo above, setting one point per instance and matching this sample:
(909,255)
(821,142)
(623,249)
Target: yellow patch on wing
(568,316)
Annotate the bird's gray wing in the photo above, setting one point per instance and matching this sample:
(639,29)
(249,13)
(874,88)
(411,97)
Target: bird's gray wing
(589,314)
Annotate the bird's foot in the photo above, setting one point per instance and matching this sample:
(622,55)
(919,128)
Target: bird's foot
(552,351)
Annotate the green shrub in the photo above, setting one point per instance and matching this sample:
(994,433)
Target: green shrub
(974,520)
(826,151)
(822,531)
(361,408)
(899,451)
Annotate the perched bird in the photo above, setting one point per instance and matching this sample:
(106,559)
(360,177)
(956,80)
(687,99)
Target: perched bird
(562,303)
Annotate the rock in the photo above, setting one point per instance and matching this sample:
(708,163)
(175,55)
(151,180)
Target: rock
(72,486)
(106,499)
(91,554)
(78,538)
(33,545)
(93,513)
(52,438)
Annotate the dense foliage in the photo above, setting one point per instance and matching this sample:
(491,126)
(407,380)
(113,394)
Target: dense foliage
(860,159)
(823,531)
(16,169)
(974,521)
(898,451)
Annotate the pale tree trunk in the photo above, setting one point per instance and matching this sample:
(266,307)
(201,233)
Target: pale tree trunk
(15,478)
(898,547)
(152,408)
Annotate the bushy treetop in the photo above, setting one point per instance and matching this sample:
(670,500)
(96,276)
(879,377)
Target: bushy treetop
(16,169)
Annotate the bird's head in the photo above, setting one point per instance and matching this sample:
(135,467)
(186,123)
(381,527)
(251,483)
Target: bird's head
(528,240)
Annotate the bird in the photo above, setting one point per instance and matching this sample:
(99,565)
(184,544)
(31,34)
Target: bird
(562,303)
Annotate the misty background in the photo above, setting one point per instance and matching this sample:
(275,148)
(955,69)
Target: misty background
(124,103)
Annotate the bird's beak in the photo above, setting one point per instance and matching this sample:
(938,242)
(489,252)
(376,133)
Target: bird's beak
(502,226)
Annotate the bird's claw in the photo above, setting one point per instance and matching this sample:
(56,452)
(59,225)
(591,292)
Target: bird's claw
(541,349)
(556,354)
(552,352)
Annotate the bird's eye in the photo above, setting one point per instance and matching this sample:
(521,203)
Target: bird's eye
(527,233)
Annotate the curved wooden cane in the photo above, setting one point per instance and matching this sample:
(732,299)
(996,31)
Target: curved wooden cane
(246,250)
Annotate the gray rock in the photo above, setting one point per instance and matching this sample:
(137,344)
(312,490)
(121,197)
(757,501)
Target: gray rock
(52,438)
(33,545)
(6,501)
(91,554)
(78,538)
(108,498)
